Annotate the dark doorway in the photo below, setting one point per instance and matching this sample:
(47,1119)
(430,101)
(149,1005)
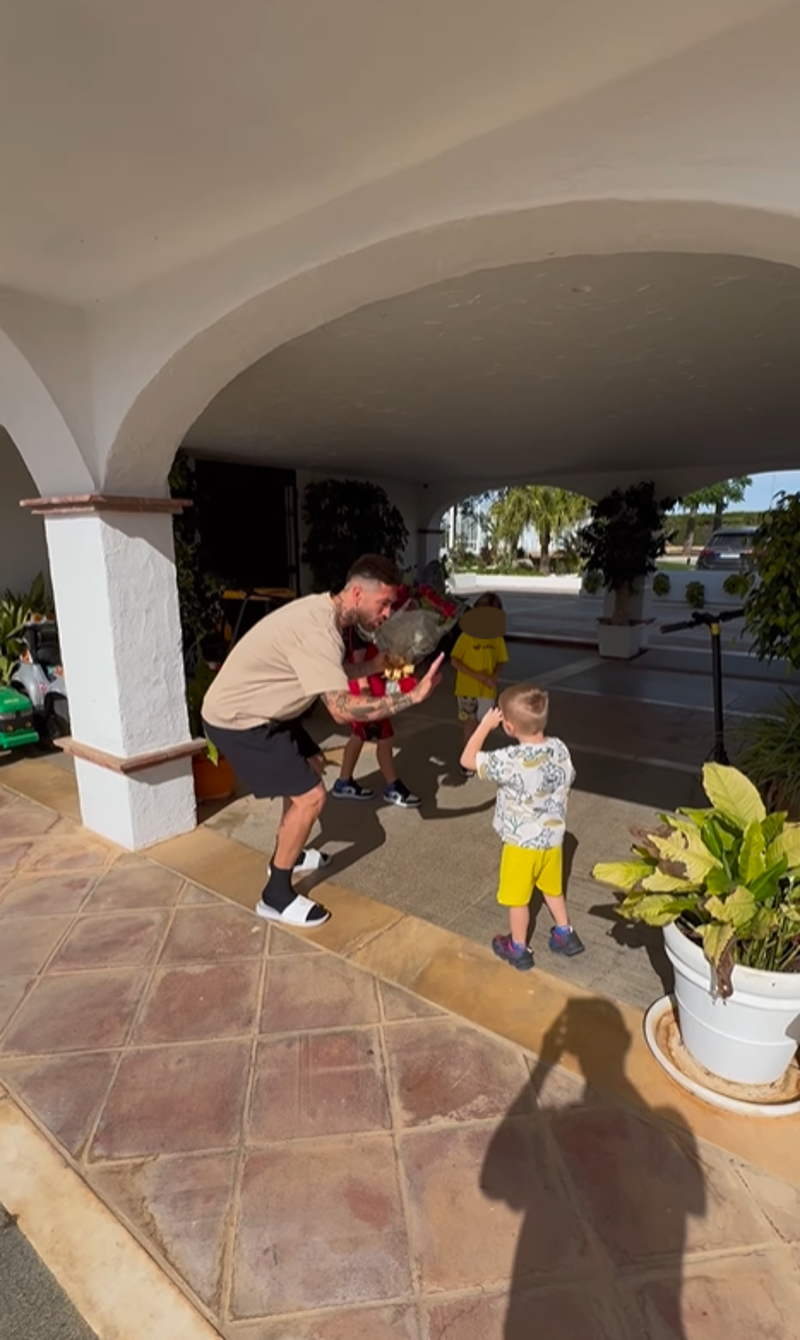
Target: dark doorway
(248,524)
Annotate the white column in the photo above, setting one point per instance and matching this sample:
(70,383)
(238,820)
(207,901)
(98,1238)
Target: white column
(116,598)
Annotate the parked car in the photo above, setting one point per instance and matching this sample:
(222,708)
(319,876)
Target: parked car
(731,549)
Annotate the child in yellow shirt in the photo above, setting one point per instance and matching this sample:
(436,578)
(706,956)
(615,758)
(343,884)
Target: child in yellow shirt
(476,658)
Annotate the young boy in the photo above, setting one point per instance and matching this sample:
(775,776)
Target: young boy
(476,658)
(362,659)
(533,778)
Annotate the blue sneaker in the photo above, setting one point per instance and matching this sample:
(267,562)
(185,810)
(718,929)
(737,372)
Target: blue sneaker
(347,789)
(563,940)
(518,957)
(397,793)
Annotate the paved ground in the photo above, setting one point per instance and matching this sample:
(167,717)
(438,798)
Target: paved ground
(319,1155)
(572,616)
(32,1305)
(639,732)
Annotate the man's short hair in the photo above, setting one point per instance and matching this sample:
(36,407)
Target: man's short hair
(525,706)
(375,568)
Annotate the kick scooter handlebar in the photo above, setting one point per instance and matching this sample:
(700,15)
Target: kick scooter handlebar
(702,619)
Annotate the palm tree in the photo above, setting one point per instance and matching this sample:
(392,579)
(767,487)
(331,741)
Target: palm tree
(551,511)
(509,515)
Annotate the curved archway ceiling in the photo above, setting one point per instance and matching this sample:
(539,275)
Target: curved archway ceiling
(149,135)
(571,366)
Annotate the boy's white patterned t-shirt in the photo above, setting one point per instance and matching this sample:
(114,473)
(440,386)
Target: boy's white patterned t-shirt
(533,782)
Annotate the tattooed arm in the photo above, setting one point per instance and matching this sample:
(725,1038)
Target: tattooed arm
(344,706)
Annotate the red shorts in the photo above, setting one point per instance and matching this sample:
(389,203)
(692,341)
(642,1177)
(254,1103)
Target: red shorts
(373,731)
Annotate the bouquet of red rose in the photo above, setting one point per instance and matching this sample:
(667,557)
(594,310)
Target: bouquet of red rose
(413,633)
(424,597)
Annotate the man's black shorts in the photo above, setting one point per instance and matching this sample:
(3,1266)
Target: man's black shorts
(272,760)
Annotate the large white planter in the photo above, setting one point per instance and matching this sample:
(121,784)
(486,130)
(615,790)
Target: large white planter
(750,1037)
(620,642)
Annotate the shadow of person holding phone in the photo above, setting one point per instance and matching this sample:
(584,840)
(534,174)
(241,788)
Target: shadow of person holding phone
(629,1177)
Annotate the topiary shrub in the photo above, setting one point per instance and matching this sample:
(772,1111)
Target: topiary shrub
(738,584)
(592,583)
(661,585)
(696,595)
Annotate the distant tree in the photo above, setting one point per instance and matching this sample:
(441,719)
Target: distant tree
(551,511)
(717,496)
(476,504)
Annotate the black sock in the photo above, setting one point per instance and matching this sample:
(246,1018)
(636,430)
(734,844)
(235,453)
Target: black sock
(278,891)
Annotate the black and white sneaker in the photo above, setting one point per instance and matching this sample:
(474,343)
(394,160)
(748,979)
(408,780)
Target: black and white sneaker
(301,912)
(346,789)
(397,793)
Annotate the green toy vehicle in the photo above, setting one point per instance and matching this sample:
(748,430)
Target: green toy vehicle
(16,720)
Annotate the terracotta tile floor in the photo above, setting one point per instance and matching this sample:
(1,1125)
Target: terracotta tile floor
(318,1155)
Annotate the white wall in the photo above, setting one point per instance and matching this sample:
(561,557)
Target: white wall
(467,583)
(23,548)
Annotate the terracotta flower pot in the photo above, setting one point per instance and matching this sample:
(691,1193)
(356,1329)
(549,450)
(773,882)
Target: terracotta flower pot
(212,781)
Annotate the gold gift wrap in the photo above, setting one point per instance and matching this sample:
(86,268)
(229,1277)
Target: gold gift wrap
(397,669)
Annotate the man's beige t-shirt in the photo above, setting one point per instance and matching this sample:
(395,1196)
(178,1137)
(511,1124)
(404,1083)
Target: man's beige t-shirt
(277,670)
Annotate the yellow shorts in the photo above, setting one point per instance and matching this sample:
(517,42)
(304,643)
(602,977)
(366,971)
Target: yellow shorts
(524,868)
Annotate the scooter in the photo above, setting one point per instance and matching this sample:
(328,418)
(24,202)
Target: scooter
(39,676)
(702,619)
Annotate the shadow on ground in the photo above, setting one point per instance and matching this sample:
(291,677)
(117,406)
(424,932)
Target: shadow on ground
(631,1175)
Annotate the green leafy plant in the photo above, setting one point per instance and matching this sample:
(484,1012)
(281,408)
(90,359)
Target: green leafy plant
(661,585)
(196,690)
(772,608)
(592,582)
(347,518)
(15,612)
(36,601)
(13,617)
(623,539)
(695,595)
(769,753)
(728,875)
(738,584)
(199,592)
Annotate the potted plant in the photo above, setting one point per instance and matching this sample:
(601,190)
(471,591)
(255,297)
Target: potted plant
(724,883)
(213,774)
(347,518)
(622,541)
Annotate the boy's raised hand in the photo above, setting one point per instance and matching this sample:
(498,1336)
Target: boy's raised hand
(493,719)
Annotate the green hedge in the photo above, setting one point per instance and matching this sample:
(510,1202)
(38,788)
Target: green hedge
(678,521)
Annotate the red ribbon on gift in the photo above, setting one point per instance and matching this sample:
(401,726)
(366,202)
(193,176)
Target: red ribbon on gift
(377,683)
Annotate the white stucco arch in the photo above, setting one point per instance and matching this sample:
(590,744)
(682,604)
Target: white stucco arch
(155,421)
(31,417)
